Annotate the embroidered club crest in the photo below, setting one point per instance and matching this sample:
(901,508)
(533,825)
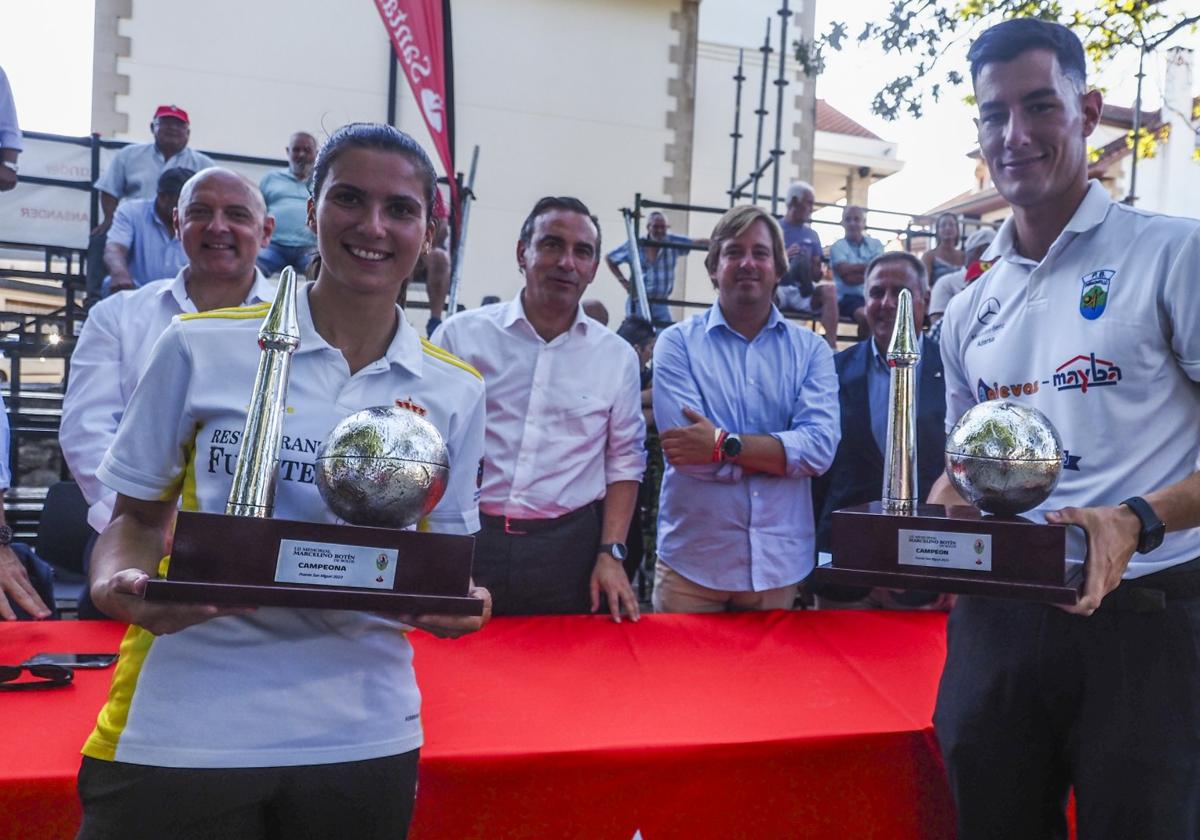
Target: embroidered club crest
(1094,296)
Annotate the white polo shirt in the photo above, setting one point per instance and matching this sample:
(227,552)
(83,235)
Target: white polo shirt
(108,360)
(279,686)
(564,417)
(1103,336)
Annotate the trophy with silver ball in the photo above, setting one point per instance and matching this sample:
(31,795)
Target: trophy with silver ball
(380,469)
(1002,457)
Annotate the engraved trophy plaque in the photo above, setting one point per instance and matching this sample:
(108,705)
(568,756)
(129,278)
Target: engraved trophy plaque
(1002,457)
(380,469)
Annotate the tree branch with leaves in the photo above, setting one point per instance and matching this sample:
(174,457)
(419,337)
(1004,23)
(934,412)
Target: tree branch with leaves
(927,29)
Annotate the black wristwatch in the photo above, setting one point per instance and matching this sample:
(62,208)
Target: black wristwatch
(618,551)
(6,535)
(1153,528)
(731,447)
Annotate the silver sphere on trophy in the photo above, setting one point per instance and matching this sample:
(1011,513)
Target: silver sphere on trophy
(1004,458)
(382,466)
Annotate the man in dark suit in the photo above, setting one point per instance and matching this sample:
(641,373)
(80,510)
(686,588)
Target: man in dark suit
(863,382)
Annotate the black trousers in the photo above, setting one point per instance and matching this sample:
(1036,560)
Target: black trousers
(546,571)
(366,800)
(1035,701)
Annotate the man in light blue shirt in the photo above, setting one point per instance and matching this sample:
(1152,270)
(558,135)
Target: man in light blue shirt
(848,258)
(286,193)
(142,246)
(747,410)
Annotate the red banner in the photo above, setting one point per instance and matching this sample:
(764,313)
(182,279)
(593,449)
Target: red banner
(417,32)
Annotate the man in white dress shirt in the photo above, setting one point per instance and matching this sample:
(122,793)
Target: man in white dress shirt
(222,221)
(565,439)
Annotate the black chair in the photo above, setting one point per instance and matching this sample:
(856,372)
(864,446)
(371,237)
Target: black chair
(63,534)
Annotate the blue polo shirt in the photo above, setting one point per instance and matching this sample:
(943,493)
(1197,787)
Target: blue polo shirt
(154,252)
(845,251)
(287,200)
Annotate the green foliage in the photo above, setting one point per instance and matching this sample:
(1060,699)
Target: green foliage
(924,29)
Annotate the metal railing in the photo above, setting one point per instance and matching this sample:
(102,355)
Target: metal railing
(914,229)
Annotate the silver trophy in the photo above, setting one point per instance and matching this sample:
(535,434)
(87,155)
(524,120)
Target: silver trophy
(380,469)
(899,466)
(382,466)
(1004,458)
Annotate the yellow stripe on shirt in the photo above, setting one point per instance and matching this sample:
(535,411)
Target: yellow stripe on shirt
(448,357)
(110,723)
(255,310)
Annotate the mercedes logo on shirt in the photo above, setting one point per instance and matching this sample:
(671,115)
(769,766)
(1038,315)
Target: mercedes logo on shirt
(988,312)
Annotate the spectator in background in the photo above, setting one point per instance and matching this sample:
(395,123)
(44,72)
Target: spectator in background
(26,581)
(658,268)
(142,245)
(746,406)
(216,206)
(564,441)
(848,259)
(596,310)
(134,172)
(10,136)
(433,268)
(954,282)
(945,257)
(641,541)
(864,381)
(801,288)
(286,193)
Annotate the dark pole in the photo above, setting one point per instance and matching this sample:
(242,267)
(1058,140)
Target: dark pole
(393,65)
(765,49)
(1131,199)
(737,129)
(448,56)
(780,83)
(94,206)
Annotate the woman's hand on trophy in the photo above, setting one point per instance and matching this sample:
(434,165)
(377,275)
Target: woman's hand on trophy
(120,596)
(453,626)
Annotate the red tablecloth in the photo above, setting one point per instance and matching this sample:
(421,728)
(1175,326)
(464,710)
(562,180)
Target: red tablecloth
(752,725)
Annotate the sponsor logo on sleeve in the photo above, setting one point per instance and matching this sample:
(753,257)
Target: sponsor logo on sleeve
(1094,296)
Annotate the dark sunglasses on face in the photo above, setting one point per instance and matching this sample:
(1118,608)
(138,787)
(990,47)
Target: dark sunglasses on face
(48,676)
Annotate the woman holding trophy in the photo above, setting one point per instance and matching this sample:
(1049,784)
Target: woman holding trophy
(277,722)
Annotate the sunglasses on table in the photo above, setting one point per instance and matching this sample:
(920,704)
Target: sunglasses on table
(48,676)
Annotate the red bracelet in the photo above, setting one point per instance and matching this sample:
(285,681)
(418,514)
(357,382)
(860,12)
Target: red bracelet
(719,436)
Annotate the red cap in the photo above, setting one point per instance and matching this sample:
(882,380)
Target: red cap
(172,111)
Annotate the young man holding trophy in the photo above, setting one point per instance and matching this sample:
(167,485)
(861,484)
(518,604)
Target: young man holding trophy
(276,721)
(1088,315)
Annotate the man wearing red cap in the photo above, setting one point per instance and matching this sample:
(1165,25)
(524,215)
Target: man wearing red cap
(134,173)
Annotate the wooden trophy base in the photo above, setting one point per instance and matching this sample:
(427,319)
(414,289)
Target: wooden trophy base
(952,549)
(228,560)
